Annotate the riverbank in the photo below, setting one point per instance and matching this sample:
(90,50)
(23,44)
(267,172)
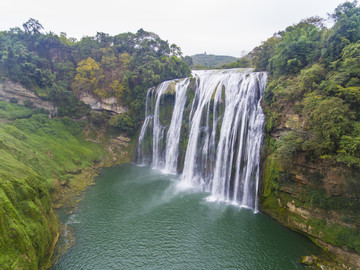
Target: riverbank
(41,160)
(67,194)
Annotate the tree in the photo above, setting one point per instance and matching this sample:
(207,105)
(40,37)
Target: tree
(104,39)
(330,120)
(296,49)
(345,31)
(347,8)
(87,76)
(263,53)
(345,78)
(349,151)
(188,60)
(32,26)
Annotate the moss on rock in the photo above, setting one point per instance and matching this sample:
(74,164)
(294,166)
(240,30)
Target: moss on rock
(34,151)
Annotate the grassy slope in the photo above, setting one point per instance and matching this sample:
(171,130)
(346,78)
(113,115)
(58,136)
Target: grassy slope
(33,151)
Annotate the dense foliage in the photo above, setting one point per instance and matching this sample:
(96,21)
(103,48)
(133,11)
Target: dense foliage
(199,61)
(315,73)
(57,67)
(243,62)
(34,151)
(312,157)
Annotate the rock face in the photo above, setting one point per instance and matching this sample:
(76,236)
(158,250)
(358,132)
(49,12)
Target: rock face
(100,104)
(10,91)
(315,197)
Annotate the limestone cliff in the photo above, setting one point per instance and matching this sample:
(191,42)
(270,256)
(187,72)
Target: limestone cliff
(318,198)
(96,103)
(15,92)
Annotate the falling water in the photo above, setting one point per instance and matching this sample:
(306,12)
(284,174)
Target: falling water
(158,129)
(173,134)
(148,118)
(214,136)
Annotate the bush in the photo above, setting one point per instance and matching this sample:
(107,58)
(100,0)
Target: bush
(349,152)
(13,100)
(123,122)
(74,127)
(311,78)
(98,118)
(28,104)
(329,120)
(288,145)
(13,111)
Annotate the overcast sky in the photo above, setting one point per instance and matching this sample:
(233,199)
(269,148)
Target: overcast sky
(224,27)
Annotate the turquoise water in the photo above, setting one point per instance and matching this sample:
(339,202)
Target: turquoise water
(136,218)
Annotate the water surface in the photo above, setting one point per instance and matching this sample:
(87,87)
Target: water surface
(136,218)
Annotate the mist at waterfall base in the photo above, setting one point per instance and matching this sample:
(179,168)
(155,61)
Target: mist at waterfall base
(191,203)
(133,218)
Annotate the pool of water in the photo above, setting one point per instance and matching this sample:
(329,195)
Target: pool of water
(137,218)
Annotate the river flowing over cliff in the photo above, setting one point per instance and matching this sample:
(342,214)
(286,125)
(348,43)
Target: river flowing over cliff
(209,130)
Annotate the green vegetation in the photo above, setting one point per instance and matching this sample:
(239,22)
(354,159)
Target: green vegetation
(58,68)
(243,62)
(314,73)
(11,111)
(34,151)
(312,142)
(37,151)
(337,235)
(205,61)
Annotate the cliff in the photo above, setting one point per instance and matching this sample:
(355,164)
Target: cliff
(16,93)
(317,197)
(44,164)
(100,104)
(311,154)
(41,158)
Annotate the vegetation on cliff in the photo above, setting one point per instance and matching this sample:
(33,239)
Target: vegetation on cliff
(312,147)
(34,152)
(39,154)
(57,68)
(313,143)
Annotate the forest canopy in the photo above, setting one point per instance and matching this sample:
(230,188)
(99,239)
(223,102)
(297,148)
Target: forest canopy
(315,72)
(57,68)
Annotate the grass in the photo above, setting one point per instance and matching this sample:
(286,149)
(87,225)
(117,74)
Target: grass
(34,150)
(12,111)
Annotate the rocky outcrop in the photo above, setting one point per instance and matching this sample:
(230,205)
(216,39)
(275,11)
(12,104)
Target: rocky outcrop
(319,225)
(101,104)
(315,197)
(15,92)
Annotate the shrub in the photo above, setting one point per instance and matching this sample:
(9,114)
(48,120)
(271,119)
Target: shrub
(123,122)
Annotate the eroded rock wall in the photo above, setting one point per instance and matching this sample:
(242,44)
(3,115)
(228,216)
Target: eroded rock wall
(315,197)
(96,103)
(15,92)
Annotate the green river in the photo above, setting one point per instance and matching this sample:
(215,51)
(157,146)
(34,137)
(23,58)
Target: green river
(135,218)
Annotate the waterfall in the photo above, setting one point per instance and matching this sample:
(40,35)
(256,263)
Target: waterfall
(209,130)
(158,129)
(173,134)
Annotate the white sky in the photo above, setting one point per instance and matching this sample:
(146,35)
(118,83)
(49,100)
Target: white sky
(224,27)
